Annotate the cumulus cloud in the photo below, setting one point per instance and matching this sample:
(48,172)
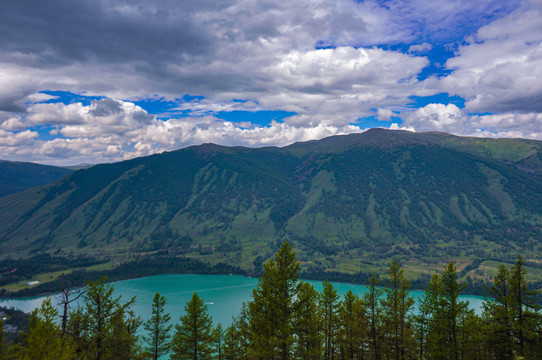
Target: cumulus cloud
(449,118)
(110,130)
(328,61)
(500,68)
(384,114)
(212,48)
(9,121)
(15,87)
(10,139)
(436,117)
(419,48)
(106,116)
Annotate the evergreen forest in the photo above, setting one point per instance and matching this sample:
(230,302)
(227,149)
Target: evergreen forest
(288,319)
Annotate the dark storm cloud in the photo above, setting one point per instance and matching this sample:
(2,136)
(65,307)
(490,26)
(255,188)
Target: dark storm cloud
(62,31)
(106,107)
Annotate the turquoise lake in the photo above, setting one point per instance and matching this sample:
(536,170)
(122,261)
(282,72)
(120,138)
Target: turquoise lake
(223,294)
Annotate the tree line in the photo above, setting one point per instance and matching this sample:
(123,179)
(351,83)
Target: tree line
(289,319)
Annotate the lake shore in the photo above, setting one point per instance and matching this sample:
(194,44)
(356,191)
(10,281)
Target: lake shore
(172,265)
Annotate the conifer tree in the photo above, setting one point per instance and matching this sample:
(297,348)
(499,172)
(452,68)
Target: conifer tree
(271,310)
(498,316)
(453,308)
(157,328)
(67,296)
(218,342)
(524,309)
(232,347)
(372,299)
(470,336)
(421,321)
(44,341)
(436,342)
(353,327)
(236,338)
(329,306)
(95,321)
(3,345)
(445,312)
(77,330)
(307,324)
(397,306)
(124,341)
(193,338)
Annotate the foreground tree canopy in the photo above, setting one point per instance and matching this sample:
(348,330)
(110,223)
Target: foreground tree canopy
(288,319)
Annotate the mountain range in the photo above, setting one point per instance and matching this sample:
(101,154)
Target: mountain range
(347,203)
(19,176)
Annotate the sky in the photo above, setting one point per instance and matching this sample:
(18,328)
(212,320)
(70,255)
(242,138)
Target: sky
(103,81)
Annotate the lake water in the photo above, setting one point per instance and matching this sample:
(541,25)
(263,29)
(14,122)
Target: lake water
(223,294)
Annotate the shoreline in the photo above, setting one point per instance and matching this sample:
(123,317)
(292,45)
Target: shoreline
(174,266)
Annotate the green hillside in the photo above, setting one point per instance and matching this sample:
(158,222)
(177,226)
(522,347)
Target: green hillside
(347,203)
(19,176)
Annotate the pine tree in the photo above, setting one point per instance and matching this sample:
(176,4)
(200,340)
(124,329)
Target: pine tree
(157,328)
(353,327)
(452,306)
(524,309)
(372,299)
(307,324)
(236,338)
(271,310)
(445,311)
(67,296)
(3,345)
(421,322)
(95,321)
(232,347)
(329,306)
(399,341)
(470,336)
(498,316)
(193,338)
(437,340)
(77,330)
(123,343)
(44,341)
(218,342)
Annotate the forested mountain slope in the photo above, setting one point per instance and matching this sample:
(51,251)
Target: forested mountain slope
(347,203)
(19,176)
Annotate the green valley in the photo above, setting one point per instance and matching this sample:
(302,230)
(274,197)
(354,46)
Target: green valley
(348,204)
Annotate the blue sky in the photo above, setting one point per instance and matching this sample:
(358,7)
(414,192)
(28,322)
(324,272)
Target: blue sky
(103,81)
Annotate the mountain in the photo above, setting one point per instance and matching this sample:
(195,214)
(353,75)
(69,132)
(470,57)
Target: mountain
(348,203)
(19,176)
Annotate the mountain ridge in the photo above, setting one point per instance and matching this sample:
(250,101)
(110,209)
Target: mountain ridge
(344,201)
(16,176)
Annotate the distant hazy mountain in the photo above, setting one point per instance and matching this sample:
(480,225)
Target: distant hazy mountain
(79,166)
(346,202)
(19,176)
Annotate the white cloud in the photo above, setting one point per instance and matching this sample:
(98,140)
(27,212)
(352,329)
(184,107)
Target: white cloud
(10,139)
(336,86)
(340,85)
(449,118)
(420,48)
(110,130)
(266,53)
(106,116)
(11,121)
(384,114)
(501,66)
(436,117)
(15,87)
